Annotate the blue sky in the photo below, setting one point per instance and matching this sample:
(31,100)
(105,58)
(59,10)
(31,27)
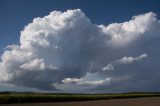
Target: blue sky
(93,46)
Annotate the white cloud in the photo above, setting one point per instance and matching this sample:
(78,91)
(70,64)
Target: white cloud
(36,64)
(124,60)
(95,83)
(128,60)
(108,67)
(84,82)
(53,47)
(70,80)
(67,45)
(127,32)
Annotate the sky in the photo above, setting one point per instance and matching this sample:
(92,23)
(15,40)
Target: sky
(79,46)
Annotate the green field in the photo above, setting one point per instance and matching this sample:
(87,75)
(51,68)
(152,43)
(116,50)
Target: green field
(30,97)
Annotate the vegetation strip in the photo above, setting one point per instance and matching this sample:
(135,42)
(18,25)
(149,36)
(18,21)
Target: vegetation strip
(10,97)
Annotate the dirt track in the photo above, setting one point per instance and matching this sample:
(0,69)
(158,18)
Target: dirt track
(150,101)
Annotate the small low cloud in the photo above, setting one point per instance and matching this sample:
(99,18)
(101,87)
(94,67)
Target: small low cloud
(83,82)
(108,67)
(128,60)
(124,60)
(70,80)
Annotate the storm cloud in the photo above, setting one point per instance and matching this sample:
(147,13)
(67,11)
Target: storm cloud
(66,49)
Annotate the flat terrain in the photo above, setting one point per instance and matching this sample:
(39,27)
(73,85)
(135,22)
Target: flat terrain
(145,101)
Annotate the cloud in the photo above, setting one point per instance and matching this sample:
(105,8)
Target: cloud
(70,80)
(66,47)
(36,64)
(52,48)
(108,67)
(84,82)
(124,60)
(127,32)
(128,60)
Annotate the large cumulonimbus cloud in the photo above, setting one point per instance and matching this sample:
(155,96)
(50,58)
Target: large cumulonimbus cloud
(65,51)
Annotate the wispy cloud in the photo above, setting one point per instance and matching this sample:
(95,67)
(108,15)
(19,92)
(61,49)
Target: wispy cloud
(124,60)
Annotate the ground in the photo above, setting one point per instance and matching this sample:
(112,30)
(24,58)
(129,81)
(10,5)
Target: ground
(145,101)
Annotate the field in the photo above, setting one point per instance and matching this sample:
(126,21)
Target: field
(30,97)
(145,101)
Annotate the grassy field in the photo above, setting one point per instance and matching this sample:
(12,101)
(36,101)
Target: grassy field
(14,97)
